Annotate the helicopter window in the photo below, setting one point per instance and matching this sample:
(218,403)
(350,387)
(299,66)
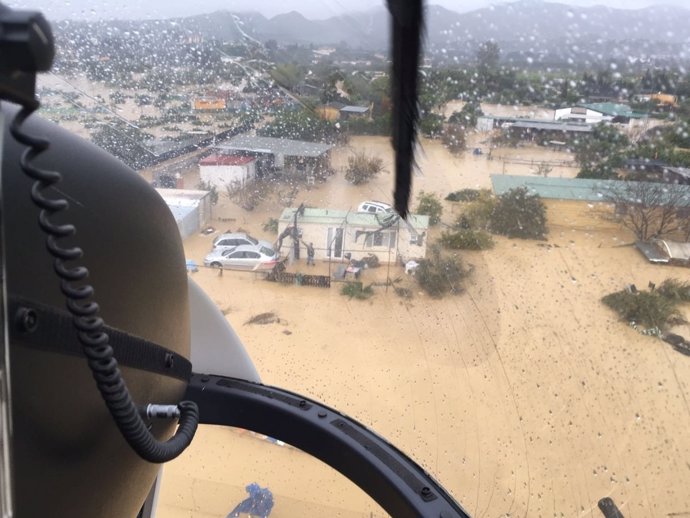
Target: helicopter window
(500,344)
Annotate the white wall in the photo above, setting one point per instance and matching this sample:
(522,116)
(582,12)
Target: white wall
(356,243)
(590,116)
(485,124)
(222,175)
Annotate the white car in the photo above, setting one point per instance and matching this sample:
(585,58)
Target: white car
(375,207)
(231,240)
(243,257)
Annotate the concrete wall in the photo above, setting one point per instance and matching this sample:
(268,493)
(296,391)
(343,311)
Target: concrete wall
(222,175)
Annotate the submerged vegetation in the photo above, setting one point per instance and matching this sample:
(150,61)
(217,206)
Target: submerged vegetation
(519,214)
(361,168)
(656,308)
(441,274)
(429,205)
(357,290)
(467,239)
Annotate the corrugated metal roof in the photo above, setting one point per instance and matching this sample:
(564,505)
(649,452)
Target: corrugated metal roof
(652,252)
(680,171)
(565,188)
(614,109)
(225,160)
(182,197)
(552,126)
(282,146)
(355,109)
(340,217)
(676,250)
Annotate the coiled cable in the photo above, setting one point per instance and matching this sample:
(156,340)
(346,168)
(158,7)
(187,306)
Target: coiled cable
(84,311)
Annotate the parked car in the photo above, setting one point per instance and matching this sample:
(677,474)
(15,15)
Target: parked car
(375,207)
(243,257)
(231,240)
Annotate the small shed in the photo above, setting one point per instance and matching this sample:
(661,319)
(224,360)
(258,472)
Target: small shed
(339,234)
(220,170)
(191,209)
(665,252)
(355,112)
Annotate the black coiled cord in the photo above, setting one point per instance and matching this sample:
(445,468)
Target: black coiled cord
(89,325)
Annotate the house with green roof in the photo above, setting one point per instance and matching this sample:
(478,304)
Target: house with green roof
(342,234)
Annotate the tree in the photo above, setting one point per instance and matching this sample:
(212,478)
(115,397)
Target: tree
(287,75)
(519,214)
(362,168)
(431,125)
(454,138)
(431,206)
(211,188)
(439,274)
(543,169)
(330,92)
(488,55)
(600,153)
(468,115)
(650,210)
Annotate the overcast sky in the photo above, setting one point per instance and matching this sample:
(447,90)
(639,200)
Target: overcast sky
(135,9)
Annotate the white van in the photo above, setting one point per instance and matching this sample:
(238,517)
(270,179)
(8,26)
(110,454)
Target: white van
(375,207)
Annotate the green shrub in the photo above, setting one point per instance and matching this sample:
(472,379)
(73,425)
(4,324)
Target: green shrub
(405,293)
(356,290)
(477,214)
(651,309)
(439,275)
(431,206)
(362,168)
(464,195)
(271,225)
(454,138)
(675,290)
(467,239)
(519,214)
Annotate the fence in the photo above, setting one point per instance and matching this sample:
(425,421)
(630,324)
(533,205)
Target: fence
(300,279)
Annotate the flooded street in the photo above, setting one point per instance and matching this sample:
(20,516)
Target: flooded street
(524,395)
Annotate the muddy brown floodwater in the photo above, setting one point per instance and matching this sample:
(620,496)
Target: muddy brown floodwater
(523,395)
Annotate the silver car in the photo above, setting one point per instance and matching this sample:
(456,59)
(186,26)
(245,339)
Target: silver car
(243,257)
(231,240)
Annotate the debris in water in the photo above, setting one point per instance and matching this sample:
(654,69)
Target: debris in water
(263,319)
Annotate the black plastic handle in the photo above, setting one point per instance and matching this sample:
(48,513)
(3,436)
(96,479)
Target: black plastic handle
(386,474)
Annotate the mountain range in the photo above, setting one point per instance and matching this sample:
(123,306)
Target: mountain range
(528,27)
(522,21)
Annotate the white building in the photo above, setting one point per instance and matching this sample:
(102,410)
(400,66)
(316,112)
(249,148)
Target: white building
(339,234)
(581,114)
(594,113)
(191,209)
(222,170)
